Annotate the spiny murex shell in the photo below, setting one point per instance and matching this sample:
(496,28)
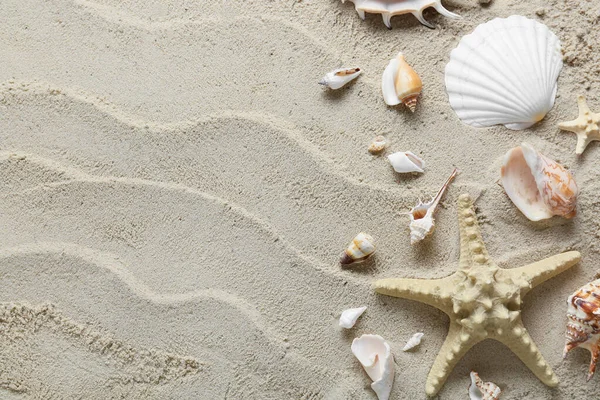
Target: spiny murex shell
(350,316)
(421,216)
(389,8)
(505,72)
(404,162)
(538,186)
(480,390)
(339,77)
(583,325)
(361,248)
(400,83)
(376,358)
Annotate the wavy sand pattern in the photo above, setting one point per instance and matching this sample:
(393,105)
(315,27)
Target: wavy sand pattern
(175,190)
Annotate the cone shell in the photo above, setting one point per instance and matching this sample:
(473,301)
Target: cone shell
(405,161)
(537,185)
(505,72)
(339,77)
(376,358)
(361,248)
(479,390)
(583,322)
(400,83)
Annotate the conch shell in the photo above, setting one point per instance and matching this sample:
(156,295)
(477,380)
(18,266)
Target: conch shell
(422,223)
(583,326)
(413,342)
(376,358)
(350,316)
(538,186)
(361,248)
(400,83)
(479,390)
(339,77)
(378,144)
(404,162)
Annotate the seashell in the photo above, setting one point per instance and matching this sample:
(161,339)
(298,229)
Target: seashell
(479,390)
(389,8)
(583,325)
(400,83)
(405,162)
(376,358)
(339,77)
(378,144)
(422,223)
(361,248)
(413,342)
(538,186)
(349,316)
(505,72)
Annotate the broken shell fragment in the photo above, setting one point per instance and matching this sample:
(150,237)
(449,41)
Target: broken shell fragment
(377,145)
(405,162)
(376,358)
(413,342)
(350,316)
(339,77)
(361,248)
(538,186)
(583,325)
(422,222)
(400,83)
(479,390)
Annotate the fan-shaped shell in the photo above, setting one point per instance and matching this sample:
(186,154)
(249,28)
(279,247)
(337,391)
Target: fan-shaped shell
(505,72)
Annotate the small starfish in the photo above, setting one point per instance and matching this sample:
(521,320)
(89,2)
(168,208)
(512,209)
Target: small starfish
(585,126)
(482,300)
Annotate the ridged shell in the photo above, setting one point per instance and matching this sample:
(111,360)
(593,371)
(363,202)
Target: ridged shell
(583,322)
(350,316)
(361,248)
(537,185)
(339,77)
(389,8)
(479,390)
(405,161)
(376,358)
(400,83)
(505,72)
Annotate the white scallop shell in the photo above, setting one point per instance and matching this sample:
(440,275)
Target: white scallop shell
(405,161)
(505,72)
(414,341)
(389,8)
(376,358)
(350,316)
(339,77)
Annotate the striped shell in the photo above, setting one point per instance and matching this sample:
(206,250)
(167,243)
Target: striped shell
(505,72)
(361,248)
(480,390)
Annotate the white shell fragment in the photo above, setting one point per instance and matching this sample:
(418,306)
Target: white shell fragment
(505,72)
(422,222)
(405,162)
(537,185)
(479,390)
(400,83)
(339,77)
(350,316)
(389,8)
(376,358)
(413,342)
(378,144)
(361,248)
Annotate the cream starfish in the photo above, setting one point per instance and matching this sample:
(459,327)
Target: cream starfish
(482,300)
(585,126)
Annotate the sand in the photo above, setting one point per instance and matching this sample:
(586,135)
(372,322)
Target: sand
(177,189)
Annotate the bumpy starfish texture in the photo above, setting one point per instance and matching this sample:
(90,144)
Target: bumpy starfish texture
(482,300)
(586,126)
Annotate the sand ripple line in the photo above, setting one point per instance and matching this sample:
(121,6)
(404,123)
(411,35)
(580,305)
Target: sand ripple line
(288,129)
(19,321)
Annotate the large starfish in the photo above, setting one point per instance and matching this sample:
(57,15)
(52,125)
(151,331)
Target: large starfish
(585,126)
(482,300)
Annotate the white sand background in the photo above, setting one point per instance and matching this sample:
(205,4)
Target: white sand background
(177,189)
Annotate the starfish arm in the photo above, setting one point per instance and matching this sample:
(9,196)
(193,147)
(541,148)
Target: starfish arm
(433,292)
(472,247)
(520,343)
(571,126)
(582,142)
(582,104)
(456,345)
(532,275)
